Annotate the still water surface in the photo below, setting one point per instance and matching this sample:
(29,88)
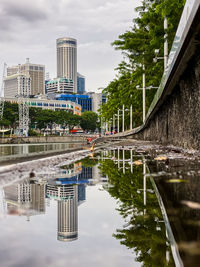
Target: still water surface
(101,211)
(12,151)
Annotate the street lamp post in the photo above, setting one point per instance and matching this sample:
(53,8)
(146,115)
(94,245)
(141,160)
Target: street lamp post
(118,120)
(123,118)
(165,57)
(165,43)
(144,88)
(144,93)
(106,126)
(131,117)
(113,123)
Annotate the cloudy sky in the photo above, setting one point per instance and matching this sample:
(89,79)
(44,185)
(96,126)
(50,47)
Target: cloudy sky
(30,28)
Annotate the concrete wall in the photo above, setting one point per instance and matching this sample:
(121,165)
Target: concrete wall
(177,121)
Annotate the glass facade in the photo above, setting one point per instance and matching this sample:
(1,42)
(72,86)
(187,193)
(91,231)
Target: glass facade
(84,100)
(80,84)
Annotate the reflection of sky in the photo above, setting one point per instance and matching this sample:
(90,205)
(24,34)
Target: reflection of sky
(34,243)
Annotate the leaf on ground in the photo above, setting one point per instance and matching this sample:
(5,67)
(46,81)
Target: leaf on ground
(161,158)
(137,162)
(191,204)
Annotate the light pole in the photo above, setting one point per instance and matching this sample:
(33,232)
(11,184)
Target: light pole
(110,125)
(165,57)
(113,123)
(123,115)
(165,43)
(144,92)
(118,120)
(106,127)
(123,118)
(131,117)
(144,95)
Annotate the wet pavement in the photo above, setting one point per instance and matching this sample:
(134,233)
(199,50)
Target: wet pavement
(132,204)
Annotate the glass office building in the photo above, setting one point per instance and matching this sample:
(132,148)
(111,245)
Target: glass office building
(84,100)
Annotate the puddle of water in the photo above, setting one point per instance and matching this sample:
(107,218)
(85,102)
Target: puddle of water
(104,210)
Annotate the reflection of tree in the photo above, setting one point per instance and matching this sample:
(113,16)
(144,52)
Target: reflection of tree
(88,162)
(143,232)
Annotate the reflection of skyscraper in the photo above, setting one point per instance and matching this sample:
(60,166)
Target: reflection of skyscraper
(68,216)
(81,193)
(67,197)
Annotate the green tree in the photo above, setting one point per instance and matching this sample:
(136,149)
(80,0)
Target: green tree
(4,122)
(11,114)
(137,46)
(89,121)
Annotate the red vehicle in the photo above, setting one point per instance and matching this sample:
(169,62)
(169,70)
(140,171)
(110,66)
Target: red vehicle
(76,131)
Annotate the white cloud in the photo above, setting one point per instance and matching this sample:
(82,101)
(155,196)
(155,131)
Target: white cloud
(30,28)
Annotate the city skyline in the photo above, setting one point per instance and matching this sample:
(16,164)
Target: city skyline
(96,58)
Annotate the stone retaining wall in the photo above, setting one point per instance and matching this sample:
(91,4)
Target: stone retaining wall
(177,121)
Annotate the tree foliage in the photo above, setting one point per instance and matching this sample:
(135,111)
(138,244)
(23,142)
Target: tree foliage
(40,118)
(137,46)
(89,121)
(142,233)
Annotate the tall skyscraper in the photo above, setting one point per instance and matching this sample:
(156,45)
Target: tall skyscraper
(67,59)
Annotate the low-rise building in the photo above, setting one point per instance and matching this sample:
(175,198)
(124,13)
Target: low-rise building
(84,100)
(50,104)
(17,85)
(59,85)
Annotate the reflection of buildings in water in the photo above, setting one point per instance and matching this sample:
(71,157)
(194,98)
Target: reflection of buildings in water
(29,197)
(77,173)
(81,193)
(25,198)
(67,197)
(68,218)
(97,177)
(71,170)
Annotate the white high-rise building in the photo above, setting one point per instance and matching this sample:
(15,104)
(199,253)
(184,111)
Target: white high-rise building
(36,73)
(17,85)
(67,59)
